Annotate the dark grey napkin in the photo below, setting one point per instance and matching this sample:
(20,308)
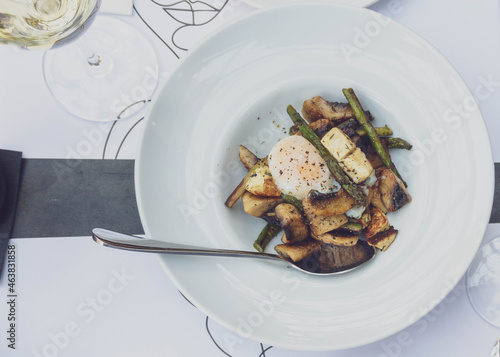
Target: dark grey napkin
(10,171)
(65,198)
(495,211)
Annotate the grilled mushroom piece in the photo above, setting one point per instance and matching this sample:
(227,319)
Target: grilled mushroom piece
(334,258)
(318,223)
(338,237)
(318,108)
(383,240)
(292,222)
(248,158)
(298,251)
(378,223)
(258,205)
(330,204)
(320,127)
(393,192)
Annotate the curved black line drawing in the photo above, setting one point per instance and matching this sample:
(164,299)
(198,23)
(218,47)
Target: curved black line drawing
(126,135)
(263,350)
(263,354)
(180,14)
(185,298)
(153,31)
(193,10)
(185,13)
(123,139)
(213,340)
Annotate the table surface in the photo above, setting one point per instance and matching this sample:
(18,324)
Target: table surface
(77,299)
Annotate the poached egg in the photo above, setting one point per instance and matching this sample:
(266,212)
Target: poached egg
(297,167)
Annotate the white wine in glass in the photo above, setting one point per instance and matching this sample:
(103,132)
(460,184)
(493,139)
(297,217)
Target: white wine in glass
(107,74)
(44,24)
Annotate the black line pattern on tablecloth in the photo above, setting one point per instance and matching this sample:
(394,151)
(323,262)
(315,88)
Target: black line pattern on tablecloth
(263,350)
(213,339)
(156,34)
(173,12)
(126,135)
(262,354)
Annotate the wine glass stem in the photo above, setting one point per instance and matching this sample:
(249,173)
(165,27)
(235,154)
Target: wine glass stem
(94,59)
(97,64)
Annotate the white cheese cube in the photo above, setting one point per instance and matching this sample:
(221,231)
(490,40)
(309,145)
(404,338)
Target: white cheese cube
(338,144)
(357,166)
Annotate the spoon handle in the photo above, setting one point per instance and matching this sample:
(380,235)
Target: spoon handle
(117,240)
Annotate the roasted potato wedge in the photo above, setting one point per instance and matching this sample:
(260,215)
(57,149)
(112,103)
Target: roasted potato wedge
(384,239)
(258,205)
(261,183)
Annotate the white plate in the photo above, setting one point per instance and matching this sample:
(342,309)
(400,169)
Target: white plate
(266,3)
(234,88)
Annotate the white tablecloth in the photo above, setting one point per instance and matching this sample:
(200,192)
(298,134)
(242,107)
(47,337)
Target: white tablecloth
(78,299)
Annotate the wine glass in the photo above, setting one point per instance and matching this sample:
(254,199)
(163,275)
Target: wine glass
(483,284)
(104,73)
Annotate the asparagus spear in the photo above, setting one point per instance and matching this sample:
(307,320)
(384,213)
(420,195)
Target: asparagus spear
(374,138)
(385,131)
(240,189)
(381,131)
(293,201)
(332,164)
(353,123)
(353,226)
(269,232)
(398,143)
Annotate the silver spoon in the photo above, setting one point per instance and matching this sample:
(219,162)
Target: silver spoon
(117,240)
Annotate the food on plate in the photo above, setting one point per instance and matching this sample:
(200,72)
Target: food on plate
(329,186)
(297,167)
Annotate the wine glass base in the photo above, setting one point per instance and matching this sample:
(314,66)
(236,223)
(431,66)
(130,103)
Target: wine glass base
(483,282)
(495,352)
(110,73)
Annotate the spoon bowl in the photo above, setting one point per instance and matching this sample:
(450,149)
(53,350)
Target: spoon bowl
(312,265)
